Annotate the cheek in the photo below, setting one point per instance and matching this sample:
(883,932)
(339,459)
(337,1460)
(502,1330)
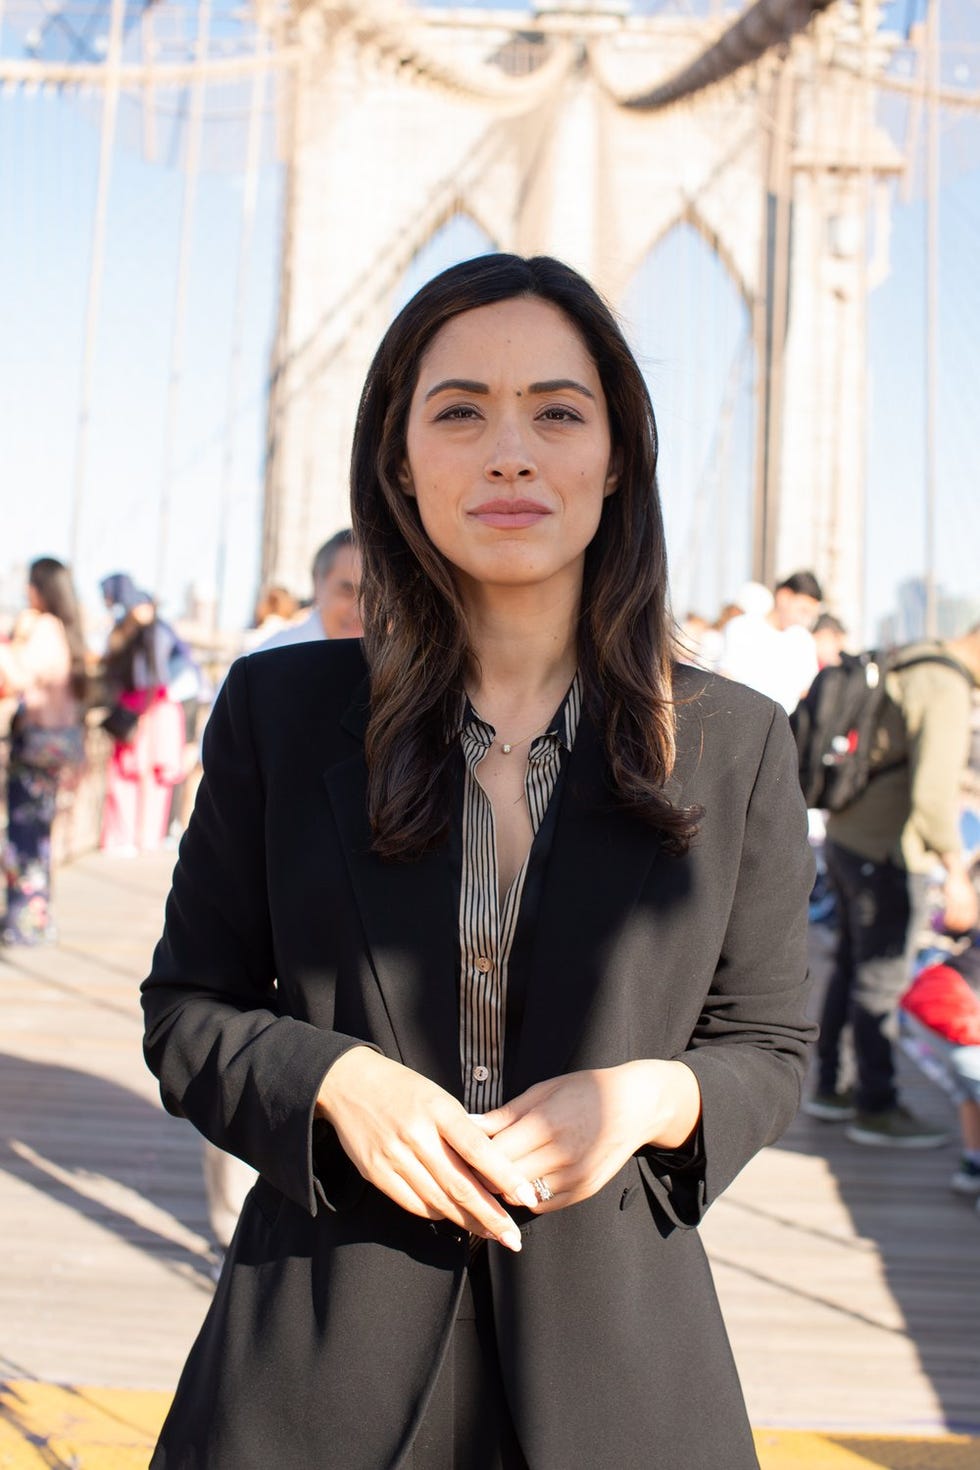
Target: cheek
(435,510)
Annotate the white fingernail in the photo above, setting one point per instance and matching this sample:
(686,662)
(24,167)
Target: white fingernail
(511,1239)
(527,1196)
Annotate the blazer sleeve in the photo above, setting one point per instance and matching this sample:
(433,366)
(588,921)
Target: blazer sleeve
(246,1076)
(748,1049)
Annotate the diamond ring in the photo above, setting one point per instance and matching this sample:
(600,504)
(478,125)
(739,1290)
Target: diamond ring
(542,1191)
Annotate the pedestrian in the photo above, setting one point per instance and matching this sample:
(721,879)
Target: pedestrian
(939,1016)
(770,646)
(44,666)
(146,725)
(829,635)
(275,610)
(879,852)
(486,945)
(336,609)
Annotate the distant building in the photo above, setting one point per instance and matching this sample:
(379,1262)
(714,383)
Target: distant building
(908,623)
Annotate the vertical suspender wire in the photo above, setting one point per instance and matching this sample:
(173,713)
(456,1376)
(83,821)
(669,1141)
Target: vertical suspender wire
(249,203)
(286,96)
(760,318)
(148,53)
(931,355)
(110,110)
(821,508)
(869,16)
(770,316)
(188,208)
(781,190)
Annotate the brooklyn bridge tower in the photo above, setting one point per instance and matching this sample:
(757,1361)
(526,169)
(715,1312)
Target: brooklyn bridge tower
(587,132)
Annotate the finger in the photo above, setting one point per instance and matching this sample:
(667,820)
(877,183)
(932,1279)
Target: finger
(545,1163)
(488,1161)
(403,1193)
(567,1187)
(497,1118)
(524,1137)
(432,1202)
(452,1188)
(510,1112)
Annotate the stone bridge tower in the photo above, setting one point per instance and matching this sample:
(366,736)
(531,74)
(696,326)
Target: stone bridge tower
(558,139)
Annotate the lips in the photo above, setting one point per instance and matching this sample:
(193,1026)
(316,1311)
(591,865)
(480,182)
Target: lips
(510,515)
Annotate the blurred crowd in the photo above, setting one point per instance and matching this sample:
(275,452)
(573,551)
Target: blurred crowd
(147,689)
(897,847)
(896,890)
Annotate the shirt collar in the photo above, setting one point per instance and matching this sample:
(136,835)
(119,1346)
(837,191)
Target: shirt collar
(562,726)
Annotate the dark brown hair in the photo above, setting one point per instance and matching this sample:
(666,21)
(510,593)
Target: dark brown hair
(52,582)
(415,632)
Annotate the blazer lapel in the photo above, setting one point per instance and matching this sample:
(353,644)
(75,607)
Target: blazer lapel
(409,921)
(599,861)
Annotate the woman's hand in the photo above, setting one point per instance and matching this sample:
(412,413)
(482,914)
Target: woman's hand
(959,903)
(576,1132)
(415,1142)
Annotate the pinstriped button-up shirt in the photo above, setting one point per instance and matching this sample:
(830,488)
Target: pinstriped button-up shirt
(487,925)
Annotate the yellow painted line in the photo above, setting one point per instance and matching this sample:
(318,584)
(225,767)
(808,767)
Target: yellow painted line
(791,1449)
(44,1426)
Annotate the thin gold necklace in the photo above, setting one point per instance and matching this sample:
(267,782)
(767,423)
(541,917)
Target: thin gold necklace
(506,746)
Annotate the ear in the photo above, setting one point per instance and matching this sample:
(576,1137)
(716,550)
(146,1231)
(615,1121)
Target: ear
(612,478)
(405,479)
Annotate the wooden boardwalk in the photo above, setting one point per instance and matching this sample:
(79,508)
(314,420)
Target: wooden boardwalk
(850,1277)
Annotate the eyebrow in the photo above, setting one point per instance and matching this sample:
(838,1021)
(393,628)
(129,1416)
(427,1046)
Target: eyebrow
(469,385)
(459,385)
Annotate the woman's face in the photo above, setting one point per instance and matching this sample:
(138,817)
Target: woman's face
(509,453)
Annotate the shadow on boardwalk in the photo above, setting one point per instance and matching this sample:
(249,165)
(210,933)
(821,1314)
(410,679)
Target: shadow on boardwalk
(926,1251)
(850,1277)
(79,1138)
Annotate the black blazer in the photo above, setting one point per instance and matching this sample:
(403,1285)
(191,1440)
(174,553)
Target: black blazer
(287,941)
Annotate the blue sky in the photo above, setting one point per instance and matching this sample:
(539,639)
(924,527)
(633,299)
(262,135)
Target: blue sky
(48,158)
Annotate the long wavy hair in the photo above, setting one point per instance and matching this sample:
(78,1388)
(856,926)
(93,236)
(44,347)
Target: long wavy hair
(52,582)
(415,628)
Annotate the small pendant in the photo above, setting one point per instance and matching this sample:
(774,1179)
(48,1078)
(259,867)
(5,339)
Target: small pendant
(506,749)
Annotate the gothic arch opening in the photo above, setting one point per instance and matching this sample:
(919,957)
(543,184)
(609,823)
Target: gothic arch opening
(458,237)
(690,326)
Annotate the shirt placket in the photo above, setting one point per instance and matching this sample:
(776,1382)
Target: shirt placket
(483,1008)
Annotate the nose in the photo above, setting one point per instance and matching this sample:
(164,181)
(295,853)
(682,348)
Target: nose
(510,458)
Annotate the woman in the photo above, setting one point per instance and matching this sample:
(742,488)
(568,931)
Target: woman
(276,609)
(147,726)
(486,944)
(44,666)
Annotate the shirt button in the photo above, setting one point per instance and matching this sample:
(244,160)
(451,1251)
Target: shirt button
(481,1073)
(483,964)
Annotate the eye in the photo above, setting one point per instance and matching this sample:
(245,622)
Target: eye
(558,413)
(459,413)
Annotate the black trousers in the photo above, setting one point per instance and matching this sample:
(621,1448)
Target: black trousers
(467,1425)
(880,908)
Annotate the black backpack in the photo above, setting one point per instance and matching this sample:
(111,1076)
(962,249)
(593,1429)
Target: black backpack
(834,724)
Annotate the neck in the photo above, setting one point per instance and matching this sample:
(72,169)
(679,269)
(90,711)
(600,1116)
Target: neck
(524,652)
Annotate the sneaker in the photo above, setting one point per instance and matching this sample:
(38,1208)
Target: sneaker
(966,1180)
(831,1107)
(895,1128)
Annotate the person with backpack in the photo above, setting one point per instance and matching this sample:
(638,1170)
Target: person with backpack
(883,743)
